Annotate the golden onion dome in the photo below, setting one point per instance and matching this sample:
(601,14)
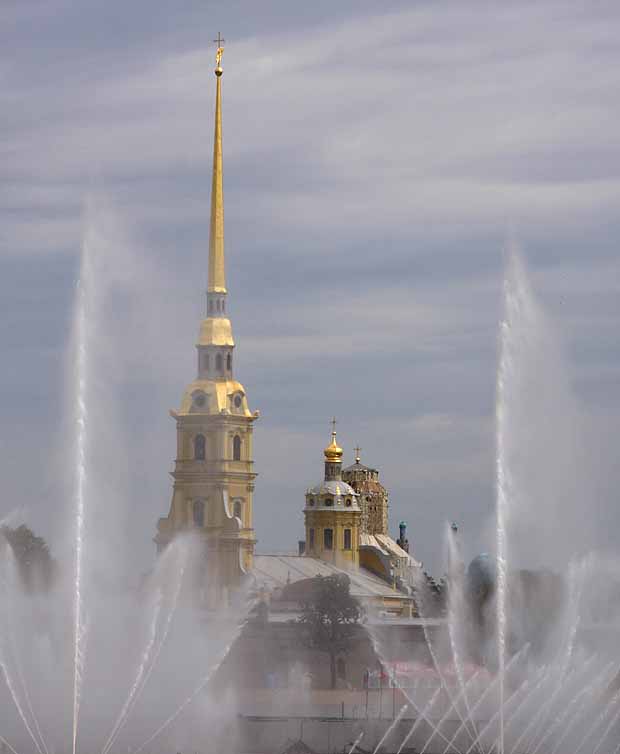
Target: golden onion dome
(333,452)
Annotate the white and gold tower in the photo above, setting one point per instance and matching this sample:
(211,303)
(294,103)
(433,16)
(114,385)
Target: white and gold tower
(213,473)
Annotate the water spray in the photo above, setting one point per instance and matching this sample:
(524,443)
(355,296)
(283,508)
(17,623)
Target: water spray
(149,663)
(204,681)
(394,723)
(4,665)
(8,745)
(420,718)
(80,493)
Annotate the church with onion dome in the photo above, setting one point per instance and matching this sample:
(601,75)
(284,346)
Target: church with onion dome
(346,521)
(345,514)
(332,514)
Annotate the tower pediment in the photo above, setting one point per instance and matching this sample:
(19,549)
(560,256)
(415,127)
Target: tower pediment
(215,397)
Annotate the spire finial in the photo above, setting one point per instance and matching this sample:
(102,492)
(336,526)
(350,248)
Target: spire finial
(218,55)
(357,450)
(334,422)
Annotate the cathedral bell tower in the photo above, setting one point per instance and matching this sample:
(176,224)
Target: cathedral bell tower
(214,471)
(373,496)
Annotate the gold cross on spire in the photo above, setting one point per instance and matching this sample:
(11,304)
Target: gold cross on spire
(220,49)
(357,450)
(334,422)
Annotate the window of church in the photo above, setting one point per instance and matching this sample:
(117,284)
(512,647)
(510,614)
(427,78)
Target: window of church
(205,362)
(237,508)
(198,512)
(229,362)
(236,448)
(341,669)
(347,539)
(311,502)
(219,363)
(200,444)
(238,401)
(349,502)
(329,501)
(328,539)
(311,539)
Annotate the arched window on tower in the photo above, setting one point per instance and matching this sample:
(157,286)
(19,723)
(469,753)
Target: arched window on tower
(200,445)
(198,512)
(236,448)
(219,364)
(229,362)
(205,362)
(237,509)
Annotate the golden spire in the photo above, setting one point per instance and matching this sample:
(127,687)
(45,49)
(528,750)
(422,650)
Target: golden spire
(217,276)
(333,452)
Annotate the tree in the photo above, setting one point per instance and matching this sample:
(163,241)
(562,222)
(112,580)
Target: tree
(35,564)
(329,617)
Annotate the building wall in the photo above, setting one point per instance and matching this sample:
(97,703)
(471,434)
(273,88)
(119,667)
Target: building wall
(330,735)
(274,655)
(337,521)
(213,496)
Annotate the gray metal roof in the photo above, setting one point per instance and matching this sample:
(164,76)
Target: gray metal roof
(333,487)
(278,570)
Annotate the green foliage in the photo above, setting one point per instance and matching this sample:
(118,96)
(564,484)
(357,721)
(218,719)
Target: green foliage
(34,561)
(329,617)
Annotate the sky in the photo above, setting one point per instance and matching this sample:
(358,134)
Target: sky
(378,160)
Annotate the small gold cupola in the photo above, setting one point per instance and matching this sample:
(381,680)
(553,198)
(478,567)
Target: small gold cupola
(333,452)
(333,457)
